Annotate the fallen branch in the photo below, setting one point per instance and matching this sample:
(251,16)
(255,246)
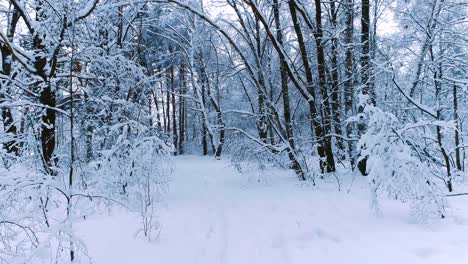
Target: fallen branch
(456,194)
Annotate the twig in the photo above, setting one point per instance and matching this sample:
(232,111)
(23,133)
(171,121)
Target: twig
(456,194)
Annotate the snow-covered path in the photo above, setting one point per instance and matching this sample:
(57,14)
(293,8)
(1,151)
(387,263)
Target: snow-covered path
(215,216)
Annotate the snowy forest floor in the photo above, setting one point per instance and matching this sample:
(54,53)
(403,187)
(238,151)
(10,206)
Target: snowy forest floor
(214,215)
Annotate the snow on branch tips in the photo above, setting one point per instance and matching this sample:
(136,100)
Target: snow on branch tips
(397,168)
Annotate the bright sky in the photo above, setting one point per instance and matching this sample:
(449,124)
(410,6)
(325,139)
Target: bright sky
(386,23)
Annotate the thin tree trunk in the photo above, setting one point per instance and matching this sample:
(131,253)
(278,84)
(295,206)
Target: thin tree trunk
(218,146)
(349,77)
(156,106)
(335,96)
(270,124)
(373,47)
(295,165)
(168,101)
(89,143)
(438,88)
(222,133)
(89,130)
(174,110)
(458,161)
(429,38)
(163,108)
(72,151)
(182,108)
(204,128)
(327,116)
(262,115)
(150,111)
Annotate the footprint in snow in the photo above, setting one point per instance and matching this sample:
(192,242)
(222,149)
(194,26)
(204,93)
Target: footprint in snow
(425,252)
(318,233)
(327,236)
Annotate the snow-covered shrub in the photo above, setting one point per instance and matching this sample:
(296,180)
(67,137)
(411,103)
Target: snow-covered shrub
(38,211)
(252,159)
(148,184)
(37,214)
(138,170)
(395,167)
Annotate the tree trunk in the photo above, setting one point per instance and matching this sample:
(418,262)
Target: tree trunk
(182,108)
(89,129)
(222,133)
(330,162)
(156,106)
(168,101)
(163,108)
(437,77)
(48,99)
(9,126)
(349,77)
(326,162)
(335,96)
(458,160)
(295,165)
(89,143)
(365,73)
(204,128)
(174,108)
(365,50)
(262,115)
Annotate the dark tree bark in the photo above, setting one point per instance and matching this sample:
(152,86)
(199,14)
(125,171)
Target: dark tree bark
(89,143)
(9,125)
(182,108)
(174,114)
(222,131)
(365,73)
(295,165)
(204,128)
(163,108)
(458,160)
(120,32)
(327,163)
(89,129)
(271,134)
(335,91)
(220,122)
(349,76)
(437,77)
(48,99)
(156,106)
(168,101)
(262,115)
(321,65)
(365,49)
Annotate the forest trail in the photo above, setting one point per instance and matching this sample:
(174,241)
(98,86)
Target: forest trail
(214,215)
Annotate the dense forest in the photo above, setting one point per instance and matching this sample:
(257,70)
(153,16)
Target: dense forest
(97,97)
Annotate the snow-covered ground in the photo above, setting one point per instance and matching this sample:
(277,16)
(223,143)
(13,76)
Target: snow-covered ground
(214,215)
